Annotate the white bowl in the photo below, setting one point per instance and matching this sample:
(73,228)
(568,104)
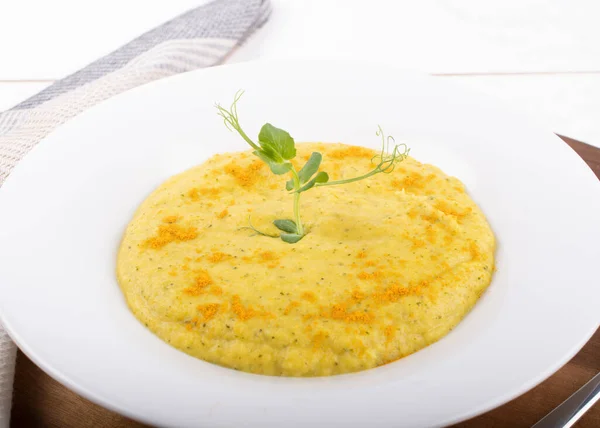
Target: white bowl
(64,208)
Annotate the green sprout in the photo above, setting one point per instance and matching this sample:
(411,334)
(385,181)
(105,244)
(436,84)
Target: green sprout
(277,148)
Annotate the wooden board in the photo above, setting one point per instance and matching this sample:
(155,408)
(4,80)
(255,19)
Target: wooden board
(40,401)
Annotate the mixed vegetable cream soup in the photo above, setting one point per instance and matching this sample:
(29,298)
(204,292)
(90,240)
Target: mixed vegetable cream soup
(388,265)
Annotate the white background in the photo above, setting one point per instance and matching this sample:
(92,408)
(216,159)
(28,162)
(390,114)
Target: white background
(541,56)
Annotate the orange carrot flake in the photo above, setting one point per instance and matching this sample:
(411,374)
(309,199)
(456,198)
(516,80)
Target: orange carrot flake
(201,281)
(389,332)
(216,290)
(242,312)
(209,310)
(245,176)
(394,292)
(310,296)
(268,256)
(357,295)
(290,308)
(209,192)
(218,256)
(340,312)
(170,232)
(375,276)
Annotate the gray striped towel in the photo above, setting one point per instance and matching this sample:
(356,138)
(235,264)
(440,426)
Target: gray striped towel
(202,37)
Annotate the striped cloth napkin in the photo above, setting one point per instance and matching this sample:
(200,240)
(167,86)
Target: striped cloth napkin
(202,37)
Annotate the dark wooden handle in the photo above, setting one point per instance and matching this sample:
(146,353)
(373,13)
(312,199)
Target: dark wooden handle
(40,401)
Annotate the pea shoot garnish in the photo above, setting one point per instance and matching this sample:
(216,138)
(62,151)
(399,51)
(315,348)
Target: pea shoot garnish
(277,148)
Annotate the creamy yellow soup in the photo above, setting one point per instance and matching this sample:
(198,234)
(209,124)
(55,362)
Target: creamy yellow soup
(390,264)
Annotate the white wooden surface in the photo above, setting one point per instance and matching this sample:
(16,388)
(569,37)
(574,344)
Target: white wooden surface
(540,56)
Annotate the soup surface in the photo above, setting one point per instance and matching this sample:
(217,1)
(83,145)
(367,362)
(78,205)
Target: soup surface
(390,264)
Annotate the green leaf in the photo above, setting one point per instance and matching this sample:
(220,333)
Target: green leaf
(307,186)
(280,168)
(289,185)
(291,238)
(286,226)
(321,177)
(265,157)
(276,142)
(311,167)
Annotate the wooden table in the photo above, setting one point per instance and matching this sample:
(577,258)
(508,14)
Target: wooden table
(40,401)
